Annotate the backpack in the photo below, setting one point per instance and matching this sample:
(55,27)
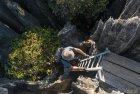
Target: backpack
(58,53)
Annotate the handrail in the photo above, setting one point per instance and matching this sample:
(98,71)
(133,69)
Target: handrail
(88,63)
(96,55)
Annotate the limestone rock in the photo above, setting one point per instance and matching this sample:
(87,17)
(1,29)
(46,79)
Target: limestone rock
(98,31)
(114,9)
(39,87)
(119,35)
(40,10)
(133,52)
(6,35)
(132,9)
(85,85)
(60,87)
(7,17)
(3,91)
(22,15)
(69,36)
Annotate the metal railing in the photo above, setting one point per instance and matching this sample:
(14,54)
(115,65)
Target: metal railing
(92,62)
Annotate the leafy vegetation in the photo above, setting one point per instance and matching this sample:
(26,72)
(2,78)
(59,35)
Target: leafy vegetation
(72,8)
(32,54)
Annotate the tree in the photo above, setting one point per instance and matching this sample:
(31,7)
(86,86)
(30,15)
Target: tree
(69,9)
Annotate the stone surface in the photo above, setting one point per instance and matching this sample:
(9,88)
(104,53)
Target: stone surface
(86,85)
(83,85)
(133,52)
(19,14)
(22,15)
(132,8)
(121,35)
(98,31)
(114,9)
(41,11)
(3,91)
(69,36)
(39,87)
(9,19)
(118,35)
(60,87)
(6,34)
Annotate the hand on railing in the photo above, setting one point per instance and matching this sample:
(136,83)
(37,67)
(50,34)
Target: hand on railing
(75,68)
(86,55)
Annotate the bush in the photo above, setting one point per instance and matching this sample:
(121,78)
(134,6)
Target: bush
(71,8)
(32,54)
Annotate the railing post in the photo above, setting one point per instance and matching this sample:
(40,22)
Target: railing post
(100,58)
(93,62)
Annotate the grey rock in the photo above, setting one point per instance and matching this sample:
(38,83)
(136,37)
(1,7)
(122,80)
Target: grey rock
(3,90)
(114,9)
(98,31)
(22,15)
(69,36)
(7,17)
(39,87)
(102,43)
(23,87)
(60,87)
(41,11)
(85,85)
(131,9)
(6,35)
(120,36)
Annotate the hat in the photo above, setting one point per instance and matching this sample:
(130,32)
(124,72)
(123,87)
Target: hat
(68,54)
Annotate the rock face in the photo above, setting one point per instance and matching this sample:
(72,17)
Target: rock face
(39,87)
(20,15)
(118,35)
(3,91)
(83,85)
(41,11)
(92,86)
(114,9)
(131,9)
(23,16)
(121,35)
(9,19)
(16,17)
(6,34)
(69,36)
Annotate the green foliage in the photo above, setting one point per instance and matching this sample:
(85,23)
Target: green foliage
(32,54)
(71,8)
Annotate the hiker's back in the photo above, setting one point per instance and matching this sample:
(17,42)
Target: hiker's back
(59,53)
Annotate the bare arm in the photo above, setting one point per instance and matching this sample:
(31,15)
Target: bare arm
(75,68)
(81,52)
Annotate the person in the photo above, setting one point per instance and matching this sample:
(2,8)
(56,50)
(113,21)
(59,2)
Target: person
(67,55)
(89,46)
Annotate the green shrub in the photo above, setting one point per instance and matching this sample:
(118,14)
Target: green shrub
(32,54)
(71,8)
